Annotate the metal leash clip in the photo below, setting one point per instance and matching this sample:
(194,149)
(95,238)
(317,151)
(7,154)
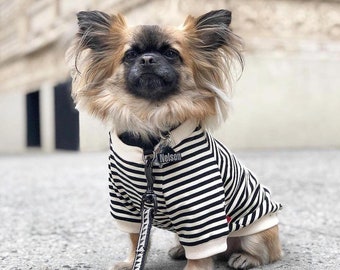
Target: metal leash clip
(149,200)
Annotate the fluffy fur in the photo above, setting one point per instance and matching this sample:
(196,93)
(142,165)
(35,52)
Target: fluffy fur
(202,53)
(207,47)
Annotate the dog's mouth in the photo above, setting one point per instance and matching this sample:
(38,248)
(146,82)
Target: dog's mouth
(151,86)
(151,81)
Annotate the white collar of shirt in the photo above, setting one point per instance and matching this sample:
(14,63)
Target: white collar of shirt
(135,154)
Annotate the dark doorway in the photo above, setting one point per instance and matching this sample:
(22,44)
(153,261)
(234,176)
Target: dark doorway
(33,119)
(66,118)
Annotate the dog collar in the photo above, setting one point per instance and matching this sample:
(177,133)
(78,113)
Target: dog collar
(135,153)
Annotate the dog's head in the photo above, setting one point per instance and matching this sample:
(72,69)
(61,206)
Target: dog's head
(148,79)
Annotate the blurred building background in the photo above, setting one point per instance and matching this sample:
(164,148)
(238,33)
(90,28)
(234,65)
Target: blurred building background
(287,97)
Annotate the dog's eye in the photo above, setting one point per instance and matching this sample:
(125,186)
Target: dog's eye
(130,55)
(171,53)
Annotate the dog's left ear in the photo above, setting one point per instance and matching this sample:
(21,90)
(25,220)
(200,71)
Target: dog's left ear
(212,28)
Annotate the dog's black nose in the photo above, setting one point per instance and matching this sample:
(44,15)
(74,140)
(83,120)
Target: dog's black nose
(147,59)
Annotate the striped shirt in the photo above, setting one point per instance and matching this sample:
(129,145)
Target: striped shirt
(205,197)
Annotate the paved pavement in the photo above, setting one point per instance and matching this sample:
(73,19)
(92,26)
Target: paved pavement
(54,211)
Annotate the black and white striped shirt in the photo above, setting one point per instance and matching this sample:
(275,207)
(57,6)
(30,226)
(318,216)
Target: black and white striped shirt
(205,197)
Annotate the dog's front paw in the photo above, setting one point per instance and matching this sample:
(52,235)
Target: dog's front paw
(177,253)
(242,261)
(123,266)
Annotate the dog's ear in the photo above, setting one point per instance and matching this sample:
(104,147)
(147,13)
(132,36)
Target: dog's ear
(97,49)
(212,28)
(211,51)
(95,28)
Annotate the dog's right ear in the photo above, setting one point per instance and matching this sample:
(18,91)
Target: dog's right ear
(97,49)
(96,27)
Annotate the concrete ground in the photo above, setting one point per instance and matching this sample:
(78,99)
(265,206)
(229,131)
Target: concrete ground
(54,211)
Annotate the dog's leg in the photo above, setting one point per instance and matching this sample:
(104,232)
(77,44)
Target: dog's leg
(257,249)
(128,263)
(201,264)
(177,252)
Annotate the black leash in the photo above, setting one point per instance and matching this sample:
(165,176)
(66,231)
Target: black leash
(157,155)
(148,210)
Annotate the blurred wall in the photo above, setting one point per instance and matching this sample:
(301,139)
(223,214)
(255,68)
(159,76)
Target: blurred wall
(287,96)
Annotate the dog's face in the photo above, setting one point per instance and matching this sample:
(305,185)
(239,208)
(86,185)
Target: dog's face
(147,79)
(152,65)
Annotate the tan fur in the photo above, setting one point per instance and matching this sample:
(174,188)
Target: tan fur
(264,246)
(212,69)
(128,263)
(255,250)
(243,252)
(99,86)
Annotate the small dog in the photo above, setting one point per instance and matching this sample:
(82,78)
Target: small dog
(163,88)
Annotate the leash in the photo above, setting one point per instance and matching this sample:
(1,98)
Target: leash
(162,154)
(148,210)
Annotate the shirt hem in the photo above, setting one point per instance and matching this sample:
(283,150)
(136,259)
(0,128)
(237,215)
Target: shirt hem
(128,227)
(262,224)
(207,249)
